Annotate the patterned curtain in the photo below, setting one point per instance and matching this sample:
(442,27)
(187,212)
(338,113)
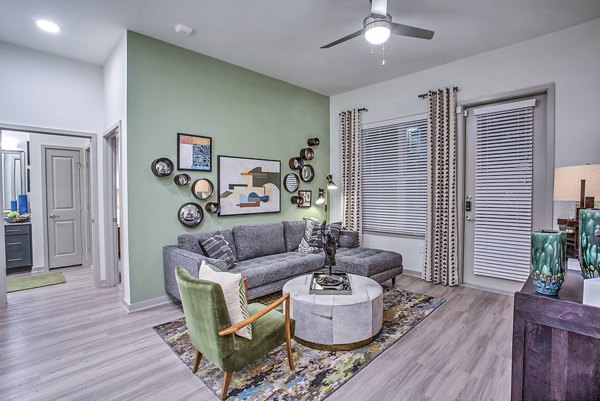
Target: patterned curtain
(441,249)
(350,122)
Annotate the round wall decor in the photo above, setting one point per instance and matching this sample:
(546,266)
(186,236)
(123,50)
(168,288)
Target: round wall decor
(291,182)
(190,214)
(162,167)
(212,207)
(307,173)
(297,200)
(307,154)
(313,142)
(202,189)
(182,180)
(295,163)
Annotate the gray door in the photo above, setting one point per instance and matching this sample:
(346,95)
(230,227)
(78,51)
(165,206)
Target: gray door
(507,171)
(63,201)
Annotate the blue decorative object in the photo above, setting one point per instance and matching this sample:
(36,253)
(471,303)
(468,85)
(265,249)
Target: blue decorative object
(589,242)
(23,206)
(548,260)
(13,205)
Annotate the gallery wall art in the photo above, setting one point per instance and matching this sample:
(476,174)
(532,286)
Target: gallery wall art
(249,186)
(194,152)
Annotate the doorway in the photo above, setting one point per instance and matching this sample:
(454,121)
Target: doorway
(113,218)
(508,175)
(34,177)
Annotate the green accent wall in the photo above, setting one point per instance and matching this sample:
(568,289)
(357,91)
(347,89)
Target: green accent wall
(171,90)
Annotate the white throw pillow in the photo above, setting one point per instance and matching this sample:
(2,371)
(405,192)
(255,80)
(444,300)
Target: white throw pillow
(234,292)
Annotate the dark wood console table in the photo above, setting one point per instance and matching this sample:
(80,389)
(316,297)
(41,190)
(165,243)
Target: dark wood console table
(556,344)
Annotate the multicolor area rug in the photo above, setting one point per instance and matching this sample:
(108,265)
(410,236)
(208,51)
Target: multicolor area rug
(317,373)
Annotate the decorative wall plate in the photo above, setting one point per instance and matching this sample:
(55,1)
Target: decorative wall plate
(307,154)
(202,189)
(295,163)
(162,167)
(182,180)
(291,182)
(190,214)
(307,173)
(212,207)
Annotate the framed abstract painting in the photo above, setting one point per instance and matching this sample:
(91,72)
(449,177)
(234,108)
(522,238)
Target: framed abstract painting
(249,186)
(194,152)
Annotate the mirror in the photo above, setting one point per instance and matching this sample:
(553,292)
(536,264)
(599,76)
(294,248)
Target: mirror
(212,207)
(182,180)
(162,167)
(190,214)
(13,169)
(307,173)
(290,182)
(202,189)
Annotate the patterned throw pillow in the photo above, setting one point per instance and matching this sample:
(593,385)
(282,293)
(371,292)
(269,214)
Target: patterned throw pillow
(312,242)
(334,229)
(217,247)
(234,292)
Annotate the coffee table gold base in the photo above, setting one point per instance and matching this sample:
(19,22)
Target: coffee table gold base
(336,347)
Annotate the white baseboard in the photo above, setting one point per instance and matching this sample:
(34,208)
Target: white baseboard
(147,304)
(412,273)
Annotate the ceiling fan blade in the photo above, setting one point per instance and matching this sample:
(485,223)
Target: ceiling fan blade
(345,38)
(413,32)
(379,7)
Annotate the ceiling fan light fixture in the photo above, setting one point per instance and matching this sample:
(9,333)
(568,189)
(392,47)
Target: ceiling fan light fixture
(377,29)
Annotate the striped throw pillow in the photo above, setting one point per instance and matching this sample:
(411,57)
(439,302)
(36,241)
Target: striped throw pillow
(312,242)
(234,292)
(217,247)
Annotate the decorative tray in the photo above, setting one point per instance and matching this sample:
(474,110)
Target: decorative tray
(336,283)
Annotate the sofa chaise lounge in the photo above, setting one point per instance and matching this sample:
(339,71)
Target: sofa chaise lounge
(267,256)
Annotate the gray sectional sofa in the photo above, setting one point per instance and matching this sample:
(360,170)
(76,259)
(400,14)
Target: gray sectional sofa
(267,256)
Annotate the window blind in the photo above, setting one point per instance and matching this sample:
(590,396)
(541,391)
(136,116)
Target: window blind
(394,177)
(504,190)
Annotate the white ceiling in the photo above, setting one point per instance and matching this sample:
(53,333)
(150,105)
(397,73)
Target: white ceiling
(281,38)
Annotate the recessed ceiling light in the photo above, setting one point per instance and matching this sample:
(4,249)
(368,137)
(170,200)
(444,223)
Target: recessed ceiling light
(183,29)
(47,26)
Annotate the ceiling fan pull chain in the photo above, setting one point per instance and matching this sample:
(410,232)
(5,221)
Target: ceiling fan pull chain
(382,54)
(372,51)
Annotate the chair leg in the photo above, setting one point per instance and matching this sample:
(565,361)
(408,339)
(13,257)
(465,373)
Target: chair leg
(196,361)
(288,334)
(226,381)
(393,281)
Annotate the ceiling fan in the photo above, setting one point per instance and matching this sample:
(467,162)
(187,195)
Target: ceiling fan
(378,26)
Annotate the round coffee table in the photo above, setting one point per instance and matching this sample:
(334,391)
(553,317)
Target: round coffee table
(336,322)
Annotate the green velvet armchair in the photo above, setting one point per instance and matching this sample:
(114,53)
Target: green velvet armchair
(211,332)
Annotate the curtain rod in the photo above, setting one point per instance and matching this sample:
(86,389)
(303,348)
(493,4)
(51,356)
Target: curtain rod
(362,109)
(424,95)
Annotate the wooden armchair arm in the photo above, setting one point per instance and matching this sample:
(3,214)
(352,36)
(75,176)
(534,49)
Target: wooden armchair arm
(235,327)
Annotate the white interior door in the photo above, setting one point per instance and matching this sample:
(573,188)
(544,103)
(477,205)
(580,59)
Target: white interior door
(506,174)
(63,204)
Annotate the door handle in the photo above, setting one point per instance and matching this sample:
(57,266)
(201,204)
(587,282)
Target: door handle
(53,216)
(469,218)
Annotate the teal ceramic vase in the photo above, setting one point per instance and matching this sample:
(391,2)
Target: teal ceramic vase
(548,260)
(589,242)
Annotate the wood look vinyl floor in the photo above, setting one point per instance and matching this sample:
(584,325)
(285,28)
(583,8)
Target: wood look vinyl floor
(75,342)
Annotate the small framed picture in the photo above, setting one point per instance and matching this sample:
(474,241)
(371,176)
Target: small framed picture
(306,198)
(194,152)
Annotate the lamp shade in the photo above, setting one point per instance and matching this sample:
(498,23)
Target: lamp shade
(567,182)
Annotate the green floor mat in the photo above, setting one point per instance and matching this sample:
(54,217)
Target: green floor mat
(21,283)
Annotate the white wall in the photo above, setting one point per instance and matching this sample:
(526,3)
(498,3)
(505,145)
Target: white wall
(45,91)
(115,106)
(570,58)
